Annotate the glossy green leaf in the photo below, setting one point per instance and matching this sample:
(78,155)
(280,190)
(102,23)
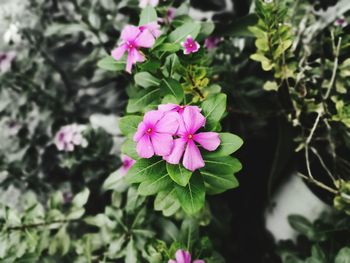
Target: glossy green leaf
(109,63)
(128,125)
(81,198)
(179,174)
(181,33)
(144,168)
(343,256)
(229,143)
(143,100)
(192,197)
(146,80)
(167,202)
(172,87)
(155,183)
(213,109)
(129,148)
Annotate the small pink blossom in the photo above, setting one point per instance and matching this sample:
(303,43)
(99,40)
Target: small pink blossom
(212,42)
(183,256)
(154,134)
(189,123)
(144,3)
(341,21)
(152,27)
(170,14)
(132,40)
(70,136)
(190,45)
(127,163)
(6,59)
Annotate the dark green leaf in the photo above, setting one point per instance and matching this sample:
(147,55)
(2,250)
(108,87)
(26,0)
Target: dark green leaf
(172,87)
(179,174)
(109,63)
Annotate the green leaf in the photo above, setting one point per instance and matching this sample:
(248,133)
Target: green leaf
(192,197)
(218,174)
(128,125)
(114,181)
(143,100)
(109,63)
(171,65)
(131,252)
(155,183)
(129,149)
(302,225)
(213,109)
(317,253)
(270,86)
(168,47)
(81,198)
(146,80)
(343,256)
(229,143)
(167,202)
(172,87)
(148,15)
(181,33)
(144,168)
(206,30)
(179,174)
(189,232)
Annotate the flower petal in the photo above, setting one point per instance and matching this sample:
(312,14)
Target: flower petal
(145,39)
(119,51)
(144,147)
(175,156)
(199,261)
(162,143)
(152,117)
(141,130)
(130,33)
(193,120)
(183,256)
(192,158)
(169,124)
(208,140)
(129,63)
(167,107)
(172,261)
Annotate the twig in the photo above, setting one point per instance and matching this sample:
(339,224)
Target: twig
(318,183)
(323,164)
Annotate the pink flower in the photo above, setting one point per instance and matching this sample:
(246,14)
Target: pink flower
(153,28)
(176,108)
(70,136)
(183,256)
(133,39)
(144,3)
(154,134)
(127,163)
(6,61)
(212,42)
(170,14)
(190,122)
(341,22)
(190,45)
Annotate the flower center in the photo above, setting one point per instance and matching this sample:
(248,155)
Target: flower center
(149,130)
(2,57)
(182,107)
(190,45)
(190,136)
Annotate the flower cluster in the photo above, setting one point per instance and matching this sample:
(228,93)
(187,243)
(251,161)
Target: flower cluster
(183,256)
(70,136)
(172,132)
(132,39)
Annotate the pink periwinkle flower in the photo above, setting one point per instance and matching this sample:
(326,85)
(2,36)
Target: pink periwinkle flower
(127,163)
(183,256)
(152,27)
(341,21)
(6,59)
(132,40)
(154,134)
(170,14)
(144,3)
(70,136)
(212,42)
(190,45)
(189,123)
